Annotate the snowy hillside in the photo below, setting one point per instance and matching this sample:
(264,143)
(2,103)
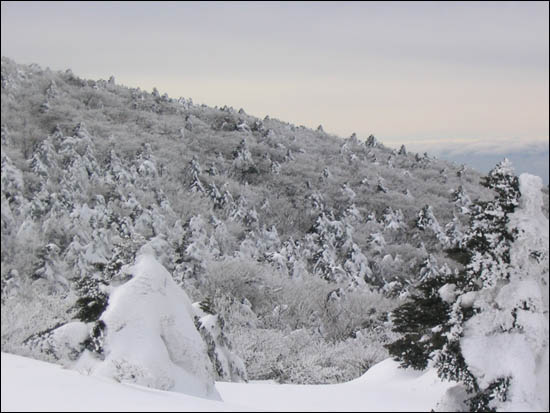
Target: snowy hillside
(31,385)
(160,243)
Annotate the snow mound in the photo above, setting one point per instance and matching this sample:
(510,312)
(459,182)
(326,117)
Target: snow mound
(150,336)
(385,387)
(32,386)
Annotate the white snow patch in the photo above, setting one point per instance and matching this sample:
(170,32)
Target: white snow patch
(448,293)
(32,385)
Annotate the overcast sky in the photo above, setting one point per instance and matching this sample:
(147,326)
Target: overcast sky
(443,77)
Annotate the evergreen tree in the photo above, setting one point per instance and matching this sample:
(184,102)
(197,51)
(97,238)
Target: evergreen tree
(422,321)
(433,323)
(211,325)
(461,200)
(371,142)
(243,164)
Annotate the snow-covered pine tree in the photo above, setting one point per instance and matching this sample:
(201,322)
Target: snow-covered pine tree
(211,326)
(427,220)
(461,200)
(325,175)
(243,164)
(193,173)
(494,303)
(392,219)
(328,233)
(197,247)
(371,142)
(357,266)
(492,307)
(422,323)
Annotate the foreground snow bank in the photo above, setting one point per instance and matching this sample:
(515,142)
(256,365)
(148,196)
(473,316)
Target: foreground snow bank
(150,336)
(385,387)
(32,385)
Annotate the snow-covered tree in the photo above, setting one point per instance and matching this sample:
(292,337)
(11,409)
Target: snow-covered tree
(150,338)
(502,305)
(381,186)
(461,199)
(325,175)
(357,266)
(197,246)
(371,142)
(193,173)
(496,303)
(426,220)
(49,267)
(242,160)
(227,365)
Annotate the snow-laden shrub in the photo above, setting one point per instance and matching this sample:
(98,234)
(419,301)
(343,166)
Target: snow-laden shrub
(301,356)
(150,337)
(227,365)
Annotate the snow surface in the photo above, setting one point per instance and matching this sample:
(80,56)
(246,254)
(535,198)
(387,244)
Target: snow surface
(32,385)
(385,387)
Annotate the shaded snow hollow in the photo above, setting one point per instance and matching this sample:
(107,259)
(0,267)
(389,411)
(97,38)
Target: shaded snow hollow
(150,336)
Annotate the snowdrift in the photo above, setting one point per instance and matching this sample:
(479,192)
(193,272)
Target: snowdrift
(32,385)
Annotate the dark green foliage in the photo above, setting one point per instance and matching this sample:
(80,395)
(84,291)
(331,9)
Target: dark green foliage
(92,301)
(123,253)
(416,320)
(410,351)
(503,181)
(460,255)
(207,305)
(94,342)
(452,366)
(496,390)
(488,232)
(488,240)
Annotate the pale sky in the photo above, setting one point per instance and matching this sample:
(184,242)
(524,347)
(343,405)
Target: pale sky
(454,76)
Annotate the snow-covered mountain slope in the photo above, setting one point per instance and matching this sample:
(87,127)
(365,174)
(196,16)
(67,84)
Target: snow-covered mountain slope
(285,230)
(31,385)
(294,245)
